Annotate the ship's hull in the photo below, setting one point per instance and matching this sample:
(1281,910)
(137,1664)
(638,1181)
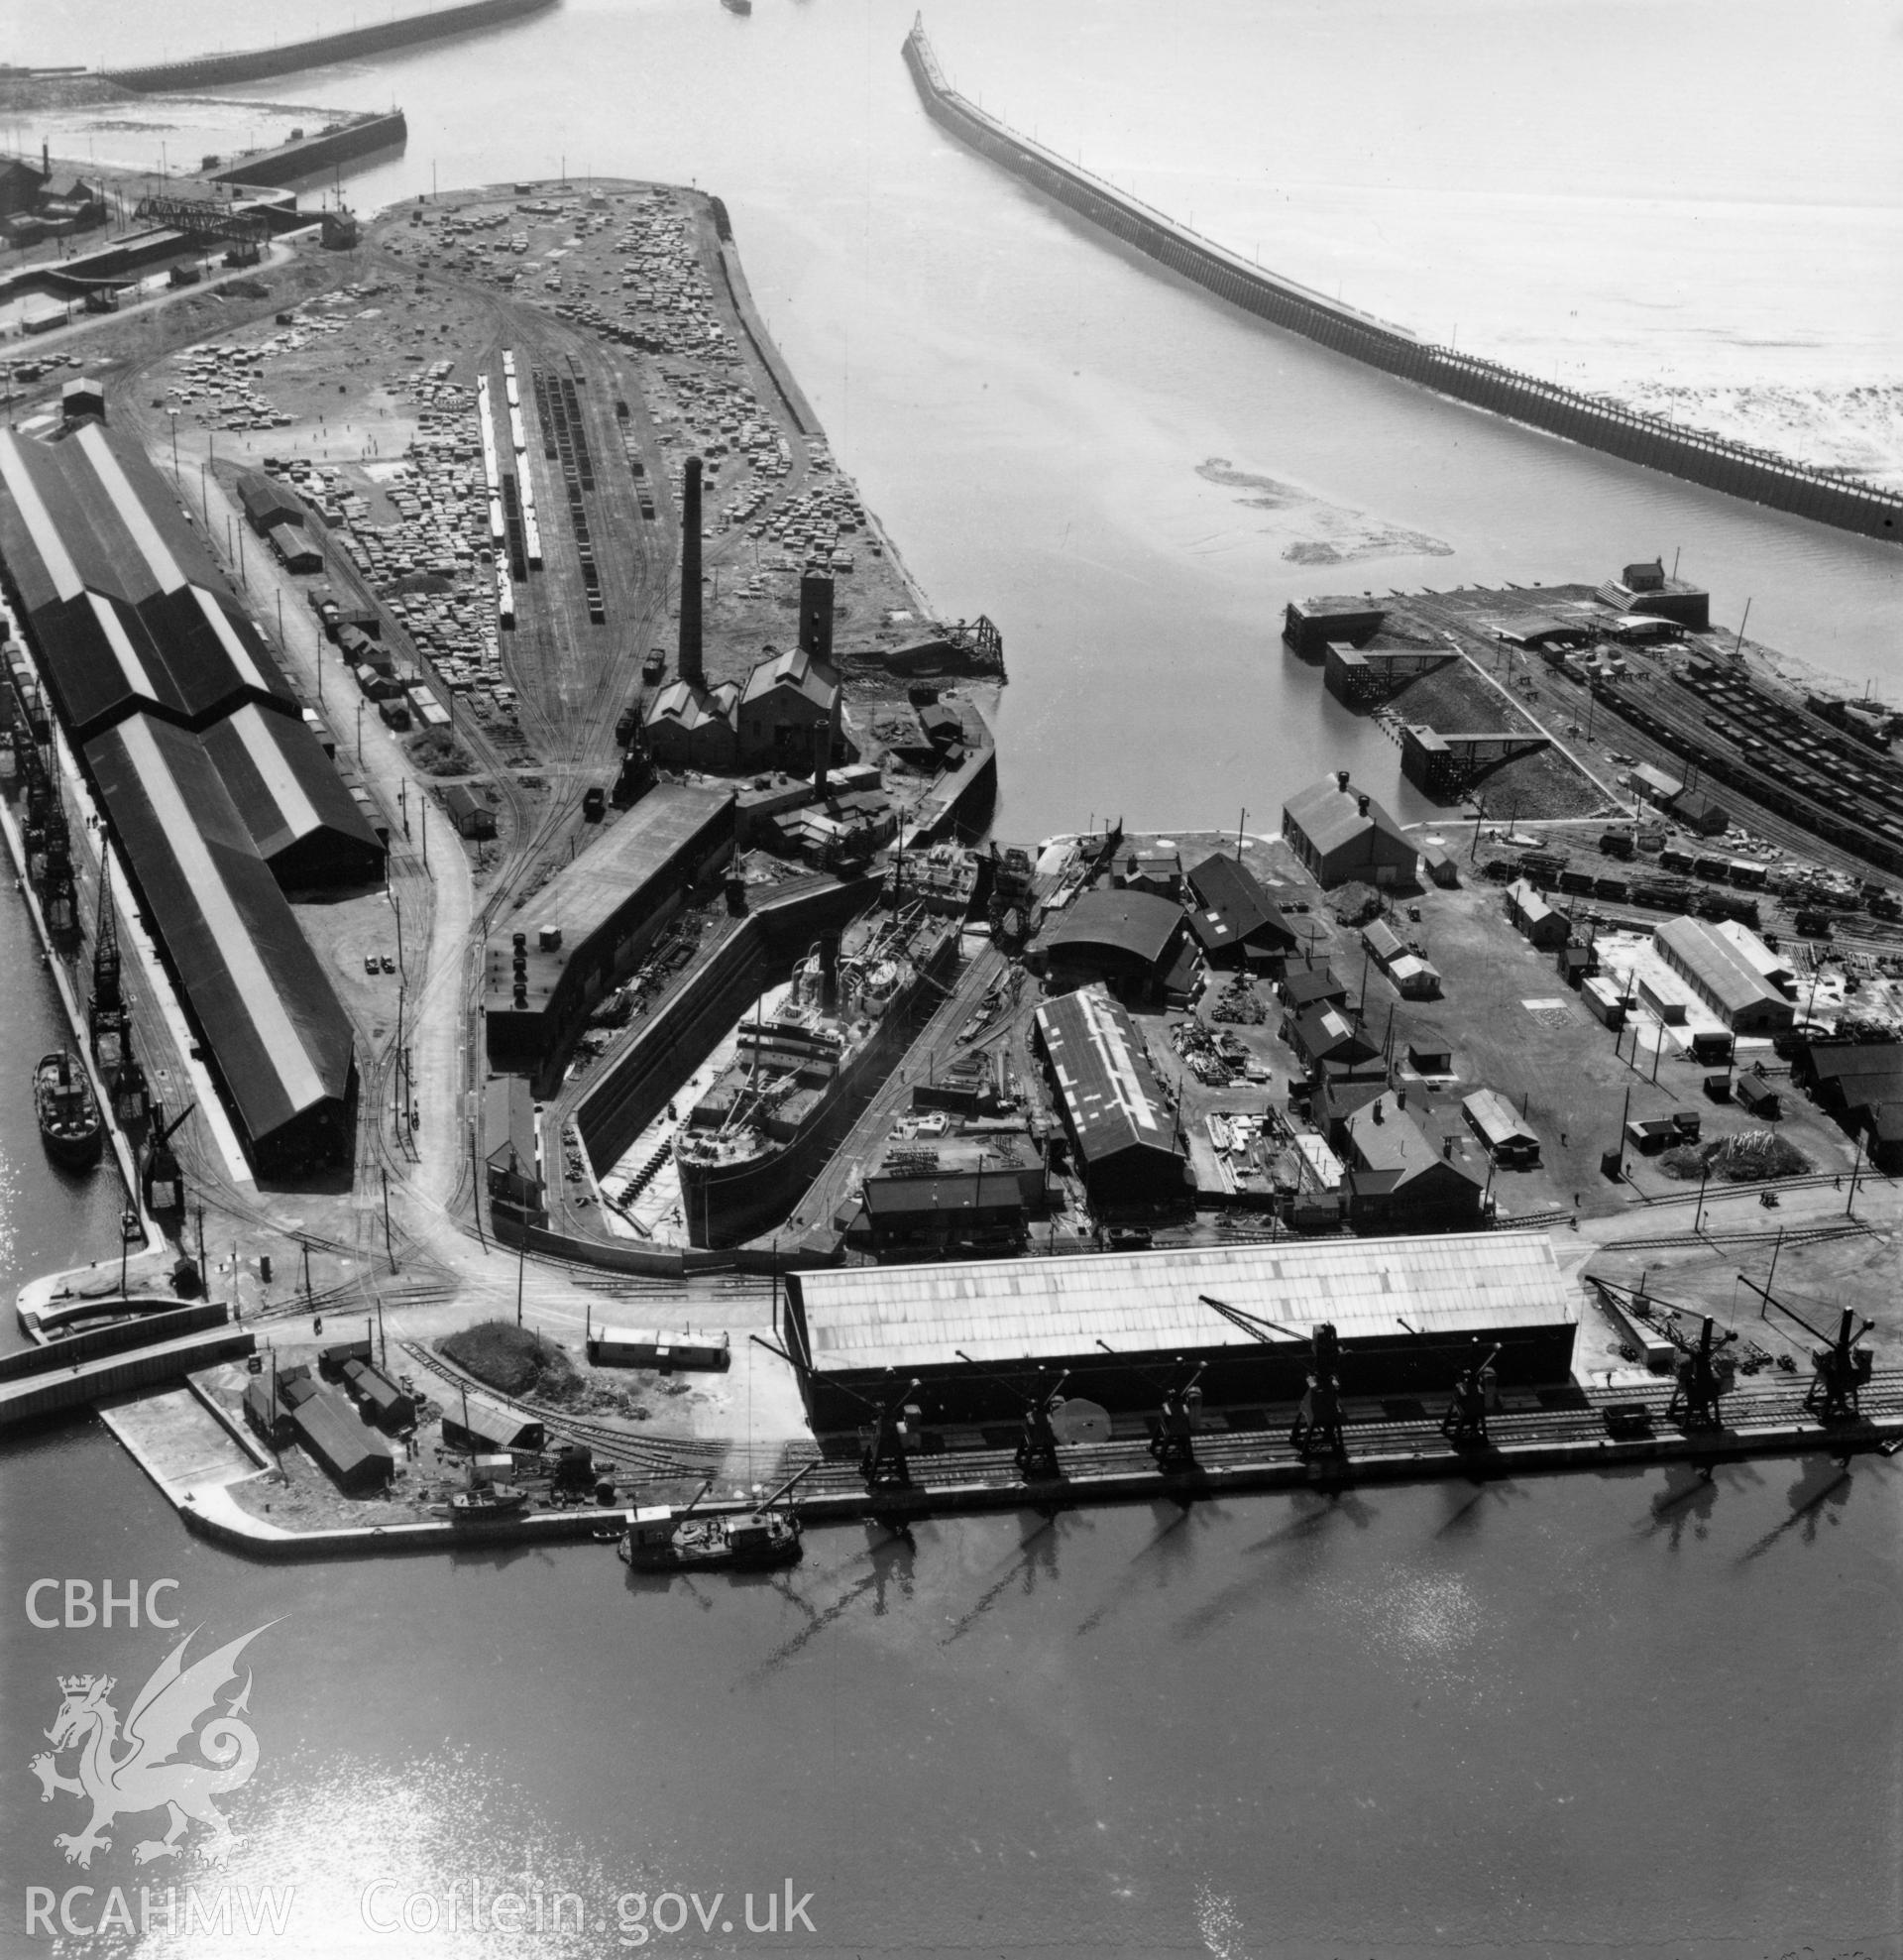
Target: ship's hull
(70,1125)
(725,1205)
(782,1549)
(78,1151)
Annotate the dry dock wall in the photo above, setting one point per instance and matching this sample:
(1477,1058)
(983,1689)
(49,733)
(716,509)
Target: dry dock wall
(1705,460)
(294,56)
(629,1093)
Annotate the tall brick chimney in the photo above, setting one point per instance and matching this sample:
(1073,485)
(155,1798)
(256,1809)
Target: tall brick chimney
(815,615)
(689,665)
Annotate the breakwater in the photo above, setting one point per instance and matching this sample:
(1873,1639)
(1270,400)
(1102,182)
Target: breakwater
(305,157)
(1708,461)
(293,57)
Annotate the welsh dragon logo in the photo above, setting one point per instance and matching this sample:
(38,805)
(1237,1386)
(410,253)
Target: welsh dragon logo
(124,1776)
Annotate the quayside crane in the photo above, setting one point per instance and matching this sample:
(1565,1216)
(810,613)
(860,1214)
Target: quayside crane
(1037,1451)
(1841,1368)
(1173,1444)
(1317,1428)
(1465,1423)
(1705,1374)
(883,1462)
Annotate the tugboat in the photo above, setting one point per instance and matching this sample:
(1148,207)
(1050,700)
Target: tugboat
(70,1125)
(662,1540)
(484,1501)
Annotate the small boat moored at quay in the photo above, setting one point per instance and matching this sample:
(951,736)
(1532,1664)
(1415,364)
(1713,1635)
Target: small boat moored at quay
(70,1125)
(660,1538)
(484,1503)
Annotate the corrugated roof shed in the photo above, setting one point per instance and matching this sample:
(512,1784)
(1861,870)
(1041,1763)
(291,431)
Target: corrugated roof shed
(121,599)
(1715,965)
(1772,966)
(1658,785)
(295,805)
(278,1039)
(1111,1097)
(1498,1121)
(912,1317)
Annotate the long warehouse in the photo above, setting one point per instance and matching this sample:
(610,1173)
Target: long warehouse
(126,610)
(1409,1311)
(276,1038)
(219,795)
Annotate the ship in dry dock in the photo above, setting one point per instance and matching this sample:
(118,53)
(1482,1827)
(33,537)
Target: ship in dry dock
(807,1060)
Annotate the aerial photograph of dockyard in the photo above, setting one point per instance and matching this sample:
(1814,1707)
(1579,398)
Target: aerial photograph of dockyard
(955,992)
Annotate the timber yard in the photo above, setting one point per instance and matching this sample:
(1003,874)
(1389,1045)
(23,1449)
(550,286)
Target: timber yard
(514,848)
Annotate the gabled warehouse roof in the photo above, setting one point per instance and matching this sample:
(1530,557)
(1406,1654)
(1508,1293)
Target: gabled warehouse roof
(1235,905)
(120,597)
(1110,1095)
(295,805)
(1329,816)
(908,1318)
(693,707)
(278,1039)
(797,671)
(266,502)
(1733,981)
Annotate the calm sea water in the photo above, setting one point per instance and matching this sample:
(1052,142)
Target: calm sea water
(1591,1717)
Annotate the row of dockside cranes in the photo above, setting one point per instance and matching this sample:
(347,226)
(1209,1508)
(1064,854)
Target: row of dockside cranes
(29,776)
(1704,1374)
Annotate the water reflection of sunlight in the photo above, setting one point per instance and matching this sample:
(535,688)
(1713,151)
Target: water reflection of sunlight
(435,1829)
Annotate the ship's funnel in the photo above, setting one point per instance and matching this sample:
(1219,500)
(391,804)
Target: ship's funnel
(689,665)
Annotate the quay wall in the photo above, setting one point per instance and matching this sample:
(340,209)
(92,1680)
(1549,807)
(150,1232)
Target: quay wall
(1705,460)
(164,1323)
(290,163)
(83,1383)
(293,57)
(214,1517)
